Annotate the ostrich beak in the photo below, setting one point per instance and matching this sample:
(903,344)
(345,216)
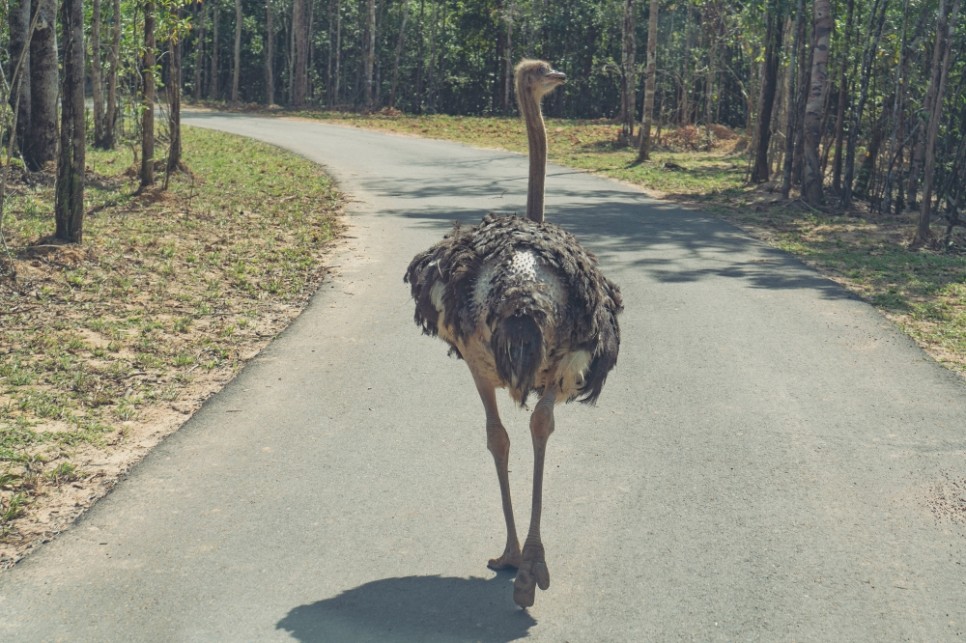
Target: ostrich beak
(557,76)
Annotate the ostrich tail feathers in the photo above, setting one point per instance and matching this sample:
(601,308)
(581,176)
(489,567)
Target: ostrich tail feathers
(518,350)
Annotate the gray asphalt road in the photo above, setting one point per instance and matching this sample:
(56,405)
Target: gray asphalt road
(771,460)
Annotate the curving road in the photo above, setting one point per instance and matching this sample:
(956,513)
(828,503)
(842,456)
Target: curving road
(771,459)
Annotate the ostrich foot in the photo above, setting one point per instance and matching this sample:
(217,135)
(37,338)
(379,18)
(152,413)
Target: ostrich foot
(509,559)
(532,573)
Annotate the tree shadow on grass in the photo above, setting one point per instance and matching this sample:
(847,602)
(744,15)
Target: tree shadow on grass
(414,608)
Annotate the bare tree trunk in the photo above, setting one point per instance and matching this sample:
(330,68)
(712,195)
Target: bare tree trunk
(200,18)
(213,88)
(300,53)
(876,21)
(628,75)
(647,116)
(114,56)
(147,113)
(684,116)
(400,42)
(934,108)
(41,142)
(812,189)
(775,27)
(842,101)
(794,91)
(174,92)
(236,53)
(269,54)
(370,49)
(18,19)
(69,200)
(97,80)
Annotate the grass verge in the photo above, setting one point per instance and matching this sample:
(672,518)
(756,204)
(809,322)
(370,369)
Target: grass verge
(169,294)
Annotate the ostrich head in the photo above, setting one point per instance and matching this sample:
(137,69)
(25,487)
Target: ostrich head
(535,79)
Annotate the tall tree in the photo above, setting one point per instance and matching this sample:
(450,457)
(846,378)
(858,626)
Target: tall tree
(876,22)
(948,16)
(148,60)
(647,115)
(236,57)
(97,80)
(774,32)
(269,53)
(69,200)
(794,102)
(628,71)
(18,20)
(370,56)
(812,189)
(300,54)
(41,141)
(174,96)
(114,60)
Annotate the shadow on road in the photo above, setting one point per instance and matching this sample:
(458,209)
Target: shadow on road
(414,608)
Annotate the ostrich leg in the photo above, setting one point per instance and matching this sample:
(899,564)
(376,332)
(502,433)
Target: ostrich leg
(533,567)
(498,442)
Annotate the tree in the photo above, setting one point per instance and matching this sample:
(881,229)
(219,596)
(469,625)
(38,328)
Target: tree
(300,53)
(69,204)
(934,106)
(148,97)
(647,115)
(41,141)
(812,192)
(18,20)
(236,58)
(628,75)
(97,80)
(370,46)
(269,54)
(774,32)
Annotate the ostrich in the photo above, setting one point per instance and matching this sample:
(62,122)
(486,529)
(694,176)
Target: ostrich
(528,310)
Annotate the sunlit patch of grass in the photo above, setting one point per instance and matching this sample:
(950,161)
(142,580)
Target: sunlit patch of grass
(105,331)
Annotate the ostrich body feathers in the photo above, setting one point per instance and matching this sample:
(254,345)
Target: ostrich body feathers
(523,303)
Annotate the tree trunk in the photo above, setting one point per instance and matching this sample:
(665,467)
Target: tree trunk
(69,200)
(236,53)
(41,141)
(269,54)
(628,75)
(842,101)
(934,108)
(812,189)
(174,118)
(300,53)
(97,81)
(114,56)
(201,13)
(213,75)
(18,19)
(148,89)
(775,27)
(794,92)
(876,21)
(400,42)
(647,116)
(370,49)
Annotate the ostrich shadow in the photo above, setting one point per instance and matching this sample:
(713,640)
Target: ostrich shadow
(414,608)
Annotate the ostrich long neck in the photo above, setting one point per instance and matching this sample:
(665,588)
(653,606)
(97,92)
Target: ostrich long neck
(537,139)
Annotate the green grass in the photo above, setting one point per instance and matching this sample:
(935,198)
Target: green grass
(168,287)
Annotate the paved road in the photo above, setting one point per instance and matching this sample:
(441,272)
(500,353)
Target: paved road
(771,460)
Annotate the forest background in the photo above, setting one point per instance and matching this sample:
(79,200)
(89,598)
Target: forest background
(835,129)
